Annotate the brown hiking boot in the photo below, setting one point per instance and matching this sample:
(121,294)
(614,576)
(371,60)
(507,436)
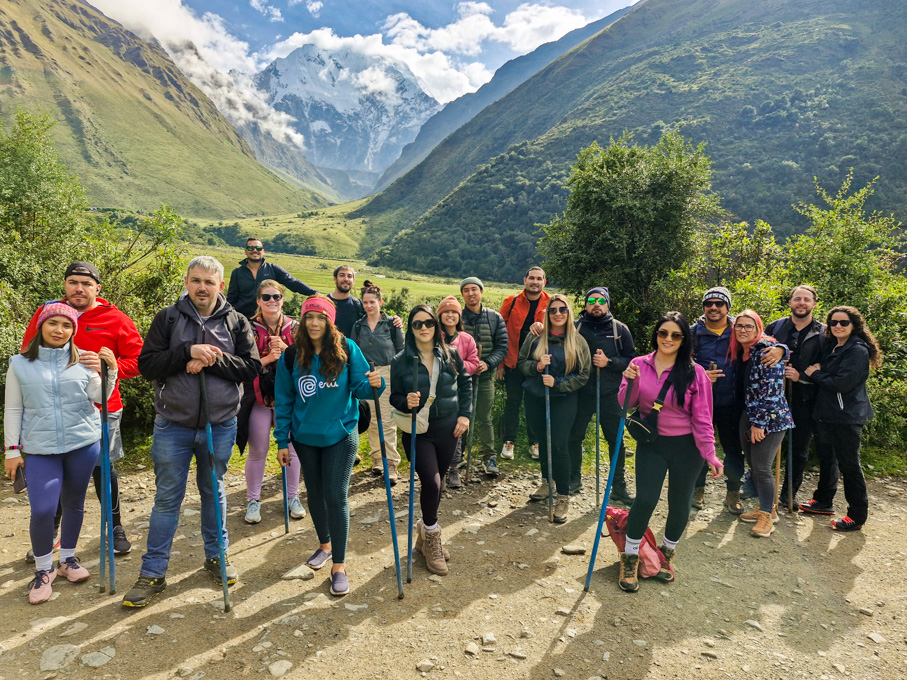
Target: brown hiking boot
(764,525)
(420,539)
(392,473)
(732,502)
(754,515)
(561,508)
(540,494)
(666,573)
(698,501)
(434,552)
(629,565)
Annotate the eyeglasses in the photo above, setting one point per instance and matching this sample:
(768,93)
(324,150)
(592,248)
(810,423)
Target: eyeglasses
(419,325)
(745,327)
(267,297)
(713,303)
(843,323)
(674,335)
(258,248)
(558,310)
(597,301)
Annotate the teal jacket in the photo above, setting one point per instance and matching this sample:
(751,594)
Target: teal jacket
(312,410)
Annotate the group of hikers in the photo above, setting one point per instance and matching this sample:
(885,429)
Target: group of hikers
(233,369)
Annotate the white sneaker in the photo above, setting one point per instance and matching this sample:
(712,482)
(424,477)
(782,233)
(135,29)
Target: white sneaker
(534,452)
(253,512)
(507,451)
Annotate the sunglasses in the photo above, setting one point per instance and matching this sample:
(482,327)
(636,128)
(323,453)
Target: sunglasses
(674,335)
(419,325)
(713,303)
(745,327)
(843,323)
(267,297)
(258,248)
(597,301)
(558,310)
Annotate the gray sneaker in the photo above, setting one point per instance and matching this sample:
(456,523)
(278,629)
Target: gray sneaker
(297,511)
(491,467)
(253,512)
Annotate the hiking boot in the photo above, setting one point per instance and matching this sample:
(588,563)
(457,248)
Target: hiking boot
(732,503)
(121,544)
(845,524)
(534,452)
(358,459)
(434,552)
(453,478)
(30,555)
(392,473)
(491,467)
(698,501)
(39,589)
(143,590)
(814,507)
(297,511)
(783,501)
(340,584)
(72,571)
(764,525)
(377,471)
(507,451)
(420,540)
(253,512)
(541,493)
(627,580)
(754,516)
(212,566)
(576,489)
(666,573)
(561,508)
(620,494)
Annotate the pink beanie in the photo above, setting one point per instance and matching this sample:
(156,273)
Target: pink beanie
(321,305)
(450,304)
(59,309)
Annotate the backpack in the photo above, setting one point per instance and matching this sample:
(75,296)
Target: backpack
(651,560)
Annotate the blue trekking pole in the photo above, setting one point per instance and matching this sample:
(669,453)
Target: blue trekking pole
(106,492)
(203,387)
(412,476)
(286,500)
(598,443)
(548,441)
(387,489)
(604,510)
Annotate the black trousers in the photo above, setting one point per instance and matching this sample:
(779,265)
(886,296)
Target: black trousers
(804,428)
(726,421)
(610,414)
(839,450)
(510,425)
(563,413)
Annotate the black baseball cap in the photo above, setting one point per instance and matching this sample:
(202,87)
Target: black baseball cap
(83,269)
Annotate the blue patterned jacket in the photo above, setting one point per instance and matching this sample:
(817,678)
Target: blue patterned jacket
(766,405)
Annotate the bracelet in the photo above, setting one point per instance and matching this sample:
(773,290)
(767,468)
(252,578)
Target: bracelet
(12,448)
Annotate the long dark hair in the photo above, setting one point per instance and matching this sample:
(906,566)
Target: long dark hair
(439,343)
(333,355)
(684,369)
(859,330)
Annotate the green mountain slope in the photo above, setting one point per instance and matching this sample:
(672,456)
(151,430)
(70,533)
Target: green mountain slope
(781,92)
(131,126)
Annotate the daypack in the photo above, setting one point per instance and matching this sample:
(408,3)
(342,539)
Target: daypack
(651,560)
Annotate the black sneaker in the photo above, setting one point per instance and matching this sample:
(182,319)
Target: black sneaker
(212,566)
(814,507)
(619,494)
(143,590)
(121,544)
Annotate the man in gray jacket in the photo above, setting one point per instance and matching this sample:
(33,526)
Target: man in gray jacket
(201,332)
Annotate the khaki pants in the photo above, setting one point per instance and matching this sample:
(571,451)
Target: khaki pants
(390,430)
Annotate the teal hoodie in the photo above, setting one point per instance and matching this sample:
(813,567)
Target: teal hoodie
(312,410)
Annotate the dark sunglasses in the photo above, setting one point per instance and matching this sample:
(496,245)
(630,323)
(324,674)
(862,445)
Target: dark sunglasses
(558,310)
(267,297)
(597,301)
(258,248)
(419,325)
(674,335)
(713,303)
(843,323)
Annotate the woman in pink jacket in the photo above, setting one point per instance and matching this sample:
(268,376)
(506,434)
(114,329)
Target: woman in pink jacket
(685,438)
(451,314)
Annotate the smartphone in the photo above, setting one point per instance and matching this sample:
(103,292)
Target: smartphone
(19,481)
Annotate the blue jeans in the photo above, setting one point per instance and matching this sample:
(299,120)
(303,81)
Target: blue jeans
(172,450)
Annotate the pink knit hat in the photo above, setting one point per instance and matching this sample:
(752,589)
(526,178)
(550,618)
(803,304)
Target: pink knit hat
(59,309)
(450,304)
(321,305)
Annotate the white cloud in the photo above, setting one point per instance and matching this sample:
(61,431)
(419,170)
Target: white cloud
(314,7)
(273,13)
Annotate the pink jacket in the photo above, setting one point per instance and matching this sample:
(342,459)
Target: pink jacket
(466,346)
(695,416)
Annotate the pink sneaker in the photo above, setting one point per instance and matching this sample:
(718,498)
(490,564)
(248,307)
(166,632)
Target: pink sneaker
(39,589)
(72,570)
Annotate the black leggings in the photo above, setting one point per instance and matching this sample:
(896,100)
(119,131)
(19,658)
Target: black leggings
(679,458)
(434,451)
(563,413)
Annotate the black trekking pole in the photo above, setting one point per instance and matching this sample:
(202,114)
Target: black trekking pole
(472,420)
(412,475)
(203,388)
(598,444)
(106,492)
(548,441)
(286,500)
(604,510)
(387,488)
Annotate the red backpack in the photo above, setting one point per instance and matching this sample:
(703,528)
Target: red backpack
(651,560)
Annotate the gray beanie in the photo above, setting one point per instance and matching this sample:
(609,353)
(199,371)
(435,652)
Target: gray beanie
(718,293)
(472,279)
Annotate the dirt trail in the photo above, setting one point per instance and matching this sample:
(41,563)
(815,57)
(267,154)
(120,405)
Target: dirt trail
(808,603)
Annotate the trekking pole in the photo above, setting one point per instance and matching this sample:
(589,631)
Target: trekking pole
(598,443)
(548,441)
(286,500)
(790,455)
(777,475)
(387,488)
(472,419)
(412,475)
(601,515)
(106,492)
(203,388)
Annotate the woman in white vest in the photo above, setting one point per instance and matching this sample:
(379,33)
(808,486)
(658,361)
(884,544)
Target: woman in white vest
(50,416)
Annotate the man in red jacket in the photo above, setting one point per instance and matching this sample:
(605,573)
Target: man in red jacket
(520,312)
(101,324)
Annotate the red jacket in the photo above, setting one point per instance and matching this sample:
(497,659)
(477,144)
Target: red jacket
(104,326)
(514,311)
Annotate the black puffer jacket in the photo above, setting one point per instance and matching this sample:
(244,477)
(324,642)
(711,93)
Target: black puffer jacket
(614,339)
(842,397)
(808,352)
(453,394)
